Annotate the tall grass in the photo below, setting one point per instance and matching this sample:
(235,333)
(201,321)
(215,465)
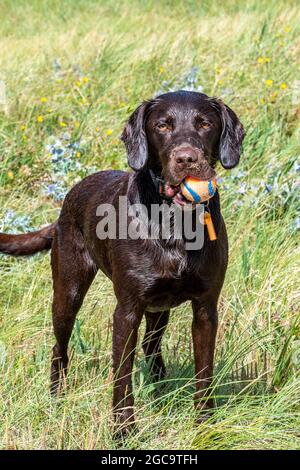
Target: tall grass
(73,71)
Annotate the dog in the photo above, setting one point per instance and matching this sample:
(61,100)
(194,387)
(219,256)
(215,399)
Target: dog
(167,138)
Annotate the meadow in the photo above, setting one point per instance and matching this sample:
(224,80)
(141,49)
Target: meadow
(71,72)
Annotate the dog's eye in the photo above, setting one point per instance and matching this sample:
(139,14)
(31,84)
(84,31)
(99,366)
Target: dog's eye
(203,125)
(162,126)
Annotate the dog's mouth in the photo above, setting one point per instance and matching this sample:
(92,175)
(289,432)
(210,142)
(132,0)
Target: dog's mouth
(172,189)
(174,192)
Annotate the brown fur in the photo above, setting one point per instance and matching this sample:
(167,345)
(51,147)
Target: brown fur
(149,276)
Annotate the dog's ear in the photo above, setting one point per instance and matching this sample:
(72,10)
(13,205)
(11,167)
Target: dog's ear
(231,137)
(135,139)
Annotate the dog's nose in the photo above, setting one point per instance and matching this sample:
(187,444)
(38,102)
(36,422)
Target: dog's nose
(185,155)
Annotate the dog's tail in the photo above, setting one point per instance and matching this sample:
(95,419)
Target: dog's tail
(28,243)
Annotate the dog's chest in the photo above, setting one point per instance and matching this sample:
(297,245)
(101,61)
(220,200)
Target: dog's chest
(167,279)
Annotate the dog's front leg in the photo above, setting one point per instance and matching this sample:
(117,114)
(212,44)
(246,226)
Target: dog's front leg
(125,330)
(204,329)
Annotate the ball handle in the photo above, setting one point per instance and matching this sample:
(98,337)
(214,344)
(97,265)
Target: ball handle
(210,226)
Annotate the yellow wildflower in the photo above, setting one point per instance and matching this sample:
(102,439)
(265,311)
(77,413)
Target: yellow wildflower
(78,154)
(62,124)
(218,70)
(109,132)
(269,82)
(40,118)
(10,175)
(161,69)
(23,127)
(43,99)
(76,124)
(263,60)
(97,129)
(287,29)
(262,101)
(85,79)
(283,86)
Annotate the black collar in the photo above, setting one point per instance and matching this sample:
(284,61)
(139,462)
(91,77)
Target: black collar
(159,182)
(156,180)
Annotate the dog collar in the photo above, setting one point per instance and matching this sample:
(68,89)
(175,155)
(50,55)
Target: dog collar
(159,182)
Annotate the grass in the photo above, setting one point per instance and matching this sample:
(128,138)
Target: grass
(76,70)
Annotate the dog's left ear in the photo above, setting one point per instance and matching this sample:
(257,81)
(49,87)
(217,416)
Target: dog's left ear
(135,139)
(231,137)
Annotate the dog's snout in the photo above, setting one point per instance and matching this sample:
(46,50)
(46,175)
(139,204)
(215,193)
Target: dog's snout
(185,155)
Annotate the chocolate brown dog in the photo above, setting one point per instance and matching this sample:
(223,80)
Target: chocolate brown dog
(174,135)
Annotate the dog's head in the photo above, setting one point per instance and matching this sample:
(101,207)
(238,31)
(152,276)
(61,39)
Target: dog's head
(182,134)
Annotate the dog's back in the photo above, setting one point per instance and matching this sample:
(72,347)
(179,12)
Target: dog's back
(99,184)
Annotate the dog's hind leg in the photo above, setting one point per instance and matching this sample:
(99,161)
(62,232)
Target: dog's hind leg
(156,324)
(73,272)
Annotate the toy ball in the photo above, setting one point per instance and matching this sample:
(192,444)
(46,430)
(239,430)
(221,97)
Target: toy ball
(198,191)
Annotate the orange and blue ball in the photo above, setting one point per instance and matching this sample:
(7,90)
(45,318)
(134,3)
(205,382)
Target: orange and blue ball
(198,191)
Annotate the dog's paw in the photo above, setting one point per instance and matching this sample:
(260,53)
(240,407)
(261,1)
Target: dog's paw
(123,432)
(124,426)
(202,418)
(204,413)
